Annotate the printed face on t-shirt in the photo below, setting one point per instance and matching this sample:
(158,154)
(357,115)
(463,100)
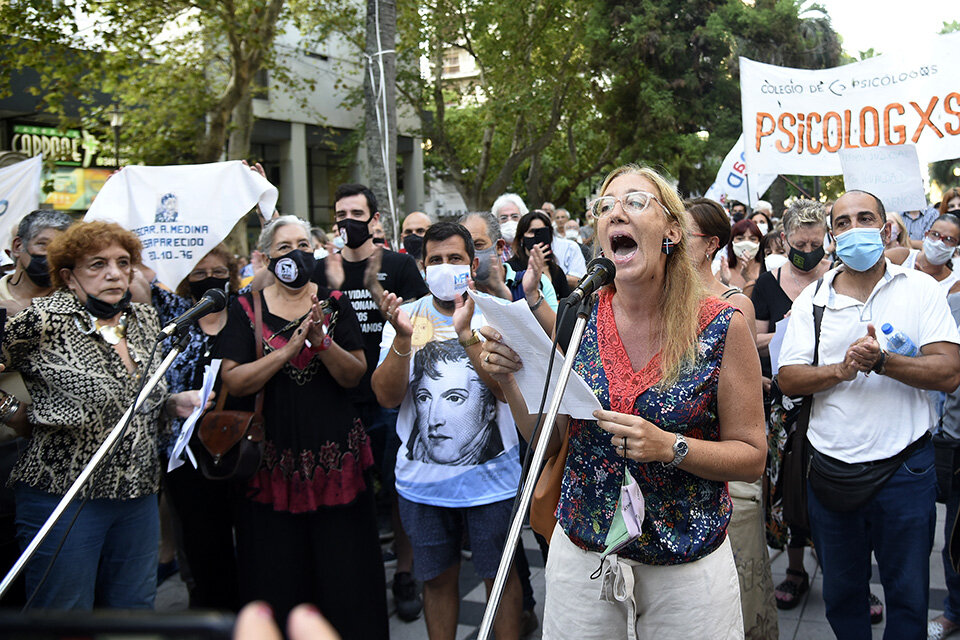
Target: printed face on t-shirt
(453,412)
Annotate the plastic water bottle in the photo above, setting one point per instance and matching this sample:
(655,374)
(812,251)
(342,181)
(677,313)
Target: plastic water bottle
(899,342)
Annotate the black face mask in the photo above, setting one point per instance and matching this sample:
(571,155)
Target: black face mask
(197,289)
(806,260)
(413,245)
(540,236)
(293,269)
(38,271)
(357,232)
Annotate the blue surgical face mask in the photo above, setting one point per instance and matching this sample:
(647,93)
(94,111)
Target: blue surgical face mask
(860,248)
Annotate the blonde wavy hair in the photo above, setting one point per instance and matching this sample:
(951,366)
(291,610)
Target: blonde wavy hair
(682,292)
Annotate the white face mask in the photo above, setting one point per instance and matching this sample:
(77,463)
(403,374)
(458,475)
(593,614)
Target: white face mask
(320,254)
(572,234)
(774,261)
(936,252)
(763,228)
(447,281)
(338,241)
(745,249)
(509,230)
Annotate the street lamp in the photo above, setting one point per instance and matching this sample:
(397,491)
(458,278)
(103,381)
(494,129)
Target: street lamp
(116,121)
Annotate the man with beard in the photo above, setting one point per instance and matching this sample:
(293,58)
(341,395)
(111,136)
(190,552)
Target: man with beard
(361,270)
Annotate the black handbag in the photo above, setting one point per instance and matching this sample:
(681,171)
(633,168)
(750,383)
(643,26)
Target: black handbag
(845,486)
(232,441)
(947,456)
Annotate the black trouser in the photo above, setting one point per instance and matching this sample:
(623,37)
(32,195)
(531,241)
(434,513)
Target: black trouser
(329,557)
(205,514)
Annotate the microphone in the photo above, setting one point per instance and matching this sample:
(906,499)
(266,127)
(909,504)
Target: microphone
(212,301)
(600,271)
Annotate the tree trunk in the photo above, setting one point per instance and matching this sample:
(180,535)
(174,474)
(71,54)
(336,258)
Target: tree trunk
(380,110)
(776,195)
(534,197)
(238,148)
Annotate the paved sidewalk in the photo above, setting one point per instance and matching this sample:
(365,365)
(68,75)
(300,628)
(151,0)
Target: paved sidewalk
(805,622)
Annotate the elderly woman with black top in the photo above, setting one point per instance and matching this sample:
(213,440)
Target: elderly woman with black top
(82,352)
(678,377)
(306,530)
(204,508)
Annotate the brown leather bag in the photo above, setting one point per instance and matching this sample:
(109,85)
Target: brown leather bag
(546,495)
(232,441)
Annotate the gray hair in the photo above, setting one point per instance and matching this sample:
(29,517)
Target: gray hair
(266,236)
(36,221)
(764,206)
(493,225)
(508,198)
(803,213)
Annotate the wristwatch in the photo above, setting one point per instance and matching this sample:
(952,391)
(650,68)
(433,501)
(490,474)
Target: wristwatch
(472,340)
(880,366)
(680,449)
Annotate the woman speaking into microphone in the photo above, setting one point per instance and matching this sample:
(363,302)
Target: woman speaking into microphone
(678,376)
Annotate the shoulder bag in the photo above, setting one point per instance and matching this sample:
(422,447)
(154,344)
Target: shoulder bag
(232,441)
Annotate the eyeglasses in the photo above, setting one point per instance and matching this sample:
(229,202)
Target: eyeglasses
(634,202)
(201,274)
(507,217)
(950,241)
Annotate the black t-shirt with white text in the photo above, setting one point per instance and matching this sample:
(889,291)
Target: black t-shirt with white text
(398,274)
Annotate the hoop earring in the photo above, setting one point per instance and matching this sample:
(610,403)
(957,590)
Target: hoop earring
(667,247)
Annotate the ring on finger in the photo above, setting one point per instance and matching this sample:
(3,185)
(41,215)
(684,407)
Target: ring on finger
(487,358)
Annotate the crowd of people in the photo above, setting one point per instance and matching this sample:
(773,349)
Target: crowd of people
(388,401)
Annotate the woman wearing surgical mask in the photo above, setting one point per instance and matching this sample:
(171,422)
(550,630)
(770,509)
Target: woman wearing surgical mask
(763,222)
(898,236)
(535,229)
(306,529)
(939,246)
(709,230)
(743,263)
(203,507)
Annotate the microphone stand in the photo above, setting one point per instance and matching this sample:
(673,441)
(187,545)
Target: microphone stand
(584,309)
(91,467)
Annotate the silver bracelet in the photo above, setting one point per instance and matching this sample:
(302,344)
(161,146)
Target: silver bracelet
(402,355)
(8,406)
(534,307)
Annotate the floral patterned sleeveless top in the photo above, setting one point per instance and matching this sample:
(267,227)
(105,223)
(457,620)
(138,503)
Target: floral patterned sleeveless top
(686,516)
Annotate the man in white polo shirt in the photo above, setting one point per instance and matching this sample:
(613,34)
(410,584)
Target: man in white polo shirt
(870,419)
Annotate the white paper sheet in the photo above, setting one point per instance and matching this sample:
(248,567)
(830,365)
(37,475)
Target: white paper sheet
(522,333)
(209,377)
(776,344)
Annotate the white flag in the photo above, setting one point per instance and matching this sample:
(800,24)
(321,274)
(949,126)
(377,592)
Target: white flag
(181,212)
(19,195)
(731,182)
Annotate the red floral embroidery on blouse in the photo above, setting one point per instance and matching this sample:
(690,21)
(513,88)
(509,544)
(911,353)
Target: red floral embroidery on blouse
(625,383)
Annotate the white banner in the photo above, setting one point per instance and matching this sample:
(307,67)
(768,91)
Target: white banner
(19,195)
(732,179)
(181,212)
(796,120)
(890,173)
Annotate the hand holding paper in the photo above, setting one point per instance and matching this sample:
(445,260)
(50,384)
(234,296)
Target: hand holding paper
(522,333)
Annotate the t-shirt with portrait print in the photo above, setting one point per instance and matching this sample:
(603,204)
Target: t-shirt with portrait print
(458,445)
